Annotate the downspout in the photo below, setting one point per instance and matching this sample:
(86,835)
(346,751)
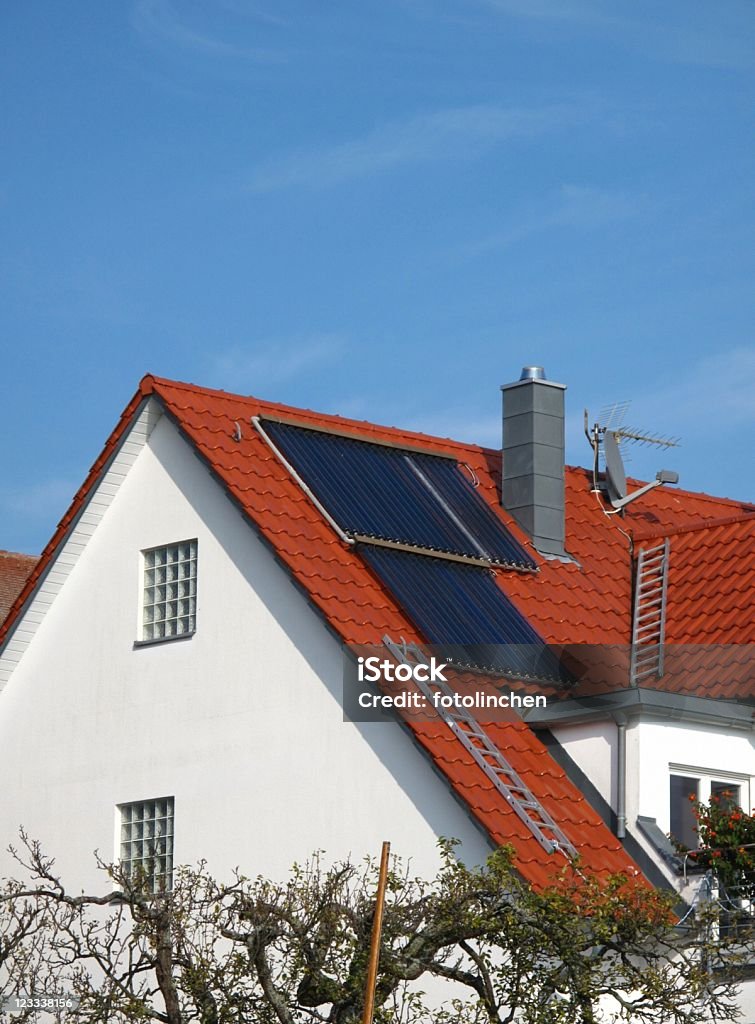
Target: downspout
(621,777)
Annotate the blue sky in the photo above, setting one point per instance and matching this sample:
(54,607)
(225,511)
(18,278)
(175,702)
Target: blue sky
(382,209)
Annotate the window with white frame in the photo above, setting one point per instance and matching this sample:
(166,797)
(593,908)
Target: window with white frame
(146,843)
(687,785)
(170,591)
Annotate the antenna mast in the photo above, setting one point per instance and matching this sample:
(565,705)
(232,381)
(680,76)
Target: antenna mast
(609,439)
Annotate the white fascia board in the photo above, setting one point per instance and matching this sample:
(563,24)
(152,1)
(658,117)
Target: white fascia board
(79,532)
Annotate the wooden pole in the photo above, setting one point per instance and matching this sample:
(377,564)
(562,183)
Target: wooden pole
(377,928)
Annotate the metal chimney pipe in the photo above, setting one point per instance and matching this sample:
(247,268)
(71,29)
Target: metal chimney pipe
(533,458)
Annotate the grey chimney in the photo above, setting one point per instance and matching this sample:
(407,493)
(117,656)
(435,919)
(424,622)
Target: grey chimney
(533,458)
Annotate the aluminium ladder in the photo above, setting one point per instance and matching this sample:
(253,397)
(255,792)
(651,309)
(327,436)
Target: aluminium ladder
(649,613)
(503,775)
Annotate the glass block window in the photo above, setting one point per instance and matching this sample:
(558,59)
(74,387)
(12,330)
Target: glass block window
(147,842)
(170,591)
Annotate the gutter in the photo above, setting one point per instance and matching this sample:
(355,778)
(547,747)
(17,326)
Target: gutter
(656,703)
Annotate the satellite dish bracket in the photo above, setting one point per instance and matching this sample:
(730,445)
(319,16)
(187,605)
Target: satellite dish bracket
(615,482)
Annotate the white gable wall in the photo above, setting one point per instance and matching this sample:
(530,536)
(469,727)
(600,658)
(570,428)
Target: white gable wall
(241,723)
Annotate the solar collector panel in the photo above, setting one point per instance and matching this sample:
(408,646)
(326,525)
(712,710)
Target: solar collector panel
(397,495)
(461,609)
(368,489)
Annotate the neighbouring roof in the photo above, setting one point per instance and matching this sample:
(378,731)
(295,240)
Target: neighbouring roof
(15,570)
(584,601)
(712,580)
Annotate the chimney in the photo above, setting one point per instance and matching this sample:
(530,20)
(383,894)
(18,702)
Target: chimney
(533,458)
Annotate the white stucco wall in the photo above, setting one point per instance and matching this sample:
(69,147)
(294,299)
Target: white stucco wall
(241,723)
(592,746)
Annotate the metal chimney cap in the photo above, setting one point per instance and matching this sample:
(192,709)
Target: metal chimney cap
(533,375)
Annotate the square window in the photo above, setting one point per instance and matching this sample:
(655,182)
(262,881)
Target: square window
(146,847)
(169,595)
(688,784)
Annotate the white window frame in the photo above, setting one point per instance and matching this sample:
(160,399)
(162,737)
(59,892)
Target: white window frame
(145,836)
(168,606)
(707,777)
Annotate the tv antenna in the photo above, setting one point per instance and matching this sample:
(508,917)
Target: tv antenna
(608,441)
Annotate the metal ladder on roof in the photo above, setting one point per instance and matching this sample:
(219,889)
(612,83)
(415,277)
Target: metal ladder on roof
(503,775)
(649,613)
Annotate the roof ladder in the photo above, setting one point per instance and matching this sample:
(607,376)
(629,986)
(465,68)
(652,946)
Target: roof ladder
(504,777)
(649,613)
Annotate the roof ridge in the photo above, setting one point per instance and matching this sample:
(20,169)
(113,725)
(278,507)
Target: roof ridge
(150,383)
(706,524)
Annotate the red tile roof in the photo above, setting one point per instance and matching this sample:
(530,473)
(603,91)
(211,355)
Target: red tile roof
(711,581)
(710,618)
(586,601)
(15,570)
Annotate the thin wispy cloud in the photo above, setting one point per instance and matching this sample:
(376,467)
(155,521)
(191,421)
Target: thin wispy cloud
(275,361)
(715,393)
(557,10)
(157,21)
(267,13)
(455,133)
(713,35)
(573,207)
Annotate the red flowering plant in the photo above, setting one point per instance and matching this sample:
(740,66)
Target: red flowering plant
(727,843)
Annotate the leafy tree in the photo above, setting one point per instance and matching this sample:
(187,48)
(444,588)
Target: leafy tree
(253,951)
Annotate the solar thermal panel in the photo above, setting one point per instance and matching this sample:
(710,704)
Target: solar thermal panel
(398,495)
(461,609)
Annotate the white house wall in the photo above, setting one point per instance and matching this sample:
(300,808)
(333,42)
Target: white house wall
(655,748)
(241,723)
(592,746)
(659,745)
